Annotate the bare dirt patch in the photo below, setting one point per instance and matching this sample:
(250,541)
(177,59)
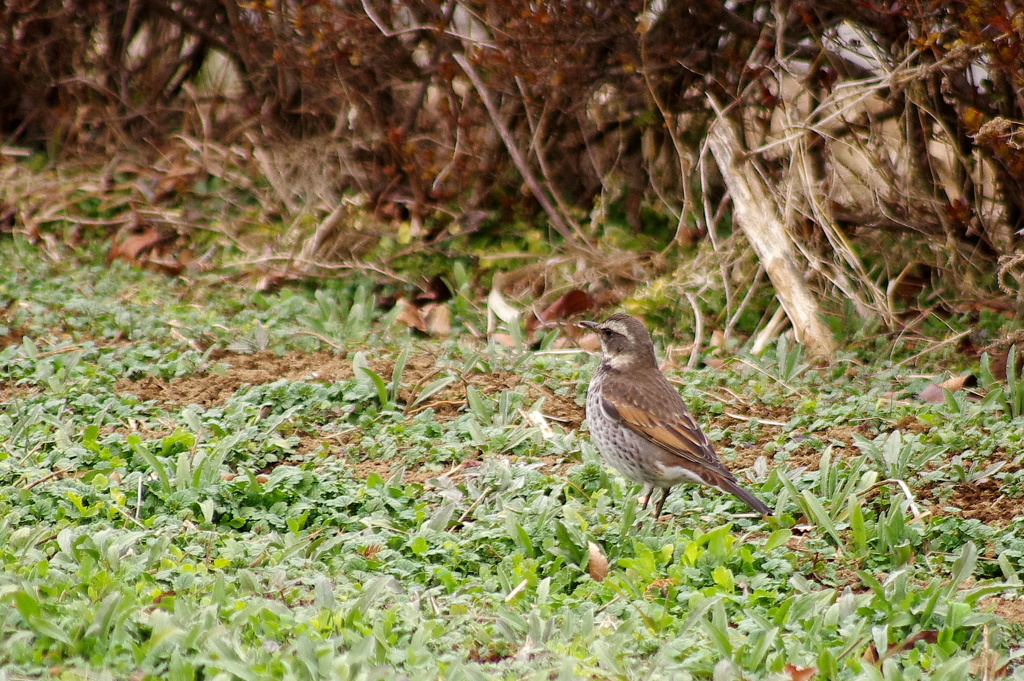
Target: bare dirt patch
(212,387)
(985,501)
(982,500)
(563,409)
(911,424)
(807,456)
(449,402)
(230,372)
(385,468)
(1011,611)
(13,336)
(745,458)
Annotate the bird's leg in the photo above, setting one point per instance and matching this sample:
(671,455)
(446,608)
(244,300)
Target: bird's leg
(661,502)
(647,499)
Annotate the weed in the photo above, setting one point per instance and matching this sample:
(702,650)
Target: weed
(428,524)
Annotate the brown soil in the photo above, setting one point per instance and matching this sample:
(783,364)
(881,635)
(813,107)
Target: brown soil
(419,474)
(13,336)
(229,372)
(803,457)
(211,387)
(983,501)
(215,386)
(1011,611)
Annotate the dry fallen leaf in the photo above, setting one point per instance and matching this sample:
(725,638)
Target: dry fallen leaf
(430,319)
(439,320)
(598,564)
(800,673)
(1001,357)
(150,248)
(134,246)
(504,339)
(986,666)
(498,307)
(935,393)
(570,303)
(871,654)
(410,315)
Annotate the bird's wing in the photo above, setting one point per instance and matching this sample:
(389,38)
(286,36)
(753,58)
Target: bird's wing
(659,415)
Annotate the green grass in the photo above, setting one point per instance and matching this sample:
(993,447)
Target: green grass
(150,539)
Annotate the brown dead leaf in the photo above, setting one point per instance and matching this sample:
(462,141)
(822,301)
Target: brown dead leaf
(149,248)
(504,339)
(871,655)
(932,394)
(571,303)
(935,393)
(598,564)
(660,586)
(1001,359)
(176,181)
(439,320)
(430,319)
(411,315)
(800,673)
(133,247)
(986,666)
(714,362)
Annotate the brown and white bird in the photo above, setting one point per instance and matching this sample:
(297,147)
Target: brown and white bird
(641,425)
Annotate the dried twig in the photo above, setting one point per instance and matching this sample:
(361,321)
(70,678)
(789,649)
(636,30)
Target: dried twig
(50,476)
(759,219)
(573,236)
(698,333)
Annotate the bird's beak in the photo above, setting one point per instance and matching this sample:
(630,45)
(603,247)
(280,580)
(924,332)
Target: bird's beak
(588,325)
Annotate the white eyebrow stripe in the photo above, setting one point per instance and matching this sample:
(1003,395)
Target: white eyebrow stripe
(618,327)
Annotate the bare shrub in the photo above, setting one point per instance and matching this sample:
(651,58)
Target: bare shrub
(890,137)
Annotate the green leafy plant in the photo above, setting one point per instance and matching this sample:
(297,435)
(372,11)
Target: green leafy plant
(171,513)
(1008,396)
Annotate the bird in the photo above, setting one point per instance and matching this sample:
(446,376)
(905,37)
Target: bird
(641,425)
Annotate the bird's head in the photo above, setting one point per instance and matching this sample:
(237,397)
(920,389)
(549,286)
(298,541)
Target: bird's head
(624,341)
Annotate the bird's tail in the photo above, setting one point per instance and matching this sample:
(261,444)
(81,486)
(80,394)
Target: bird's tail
(728,484)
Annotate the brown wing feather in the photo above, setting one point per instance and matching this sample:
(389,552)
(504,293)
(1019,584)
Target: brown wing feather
(659,414)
